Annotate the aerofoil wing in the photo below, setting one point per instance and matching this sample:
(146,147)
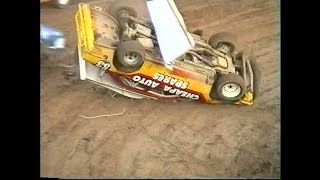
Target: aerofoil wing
(171,31)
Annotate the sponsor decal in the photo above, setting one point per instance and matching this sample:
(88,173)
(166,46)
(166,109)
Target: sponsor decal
(181,93)
(170,80)
(104,65)
(171,85)
(144,81)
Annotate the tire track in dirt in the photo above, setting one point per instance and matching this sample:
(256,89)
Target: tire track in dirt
(75,129)
(170,132)
(246,15)
(159,136)
(234,21)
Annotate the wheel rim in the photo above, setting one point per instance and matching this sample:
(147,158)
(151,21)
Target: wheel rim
(64,2)
(132,58)
(231,90)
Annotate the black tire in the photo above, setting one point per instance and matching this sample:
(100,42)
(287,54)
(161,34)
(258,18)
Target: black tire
(118,6)
(256,76)
(130,56)
(217,91)
(225,38)
(62,6)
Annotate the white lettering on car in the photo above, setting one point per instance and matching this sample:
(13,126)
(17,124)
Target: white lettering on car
(145,81)
(184,85)
(170,81)
(136,78)
(173,81)
(166,88)
(196,97)
(142,80)
(181,93)
(172,91)
(154,84)
(166,79)
(148,83)
(178,92)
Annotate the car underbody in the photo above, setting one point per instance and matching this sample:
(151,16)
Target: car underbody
(209,61)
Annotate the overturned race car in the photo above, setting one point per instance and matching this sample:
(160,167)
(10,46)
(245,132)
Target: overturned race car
(159,58)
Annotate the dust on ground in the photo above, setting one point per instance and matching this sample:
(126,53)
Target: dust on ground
(164,139)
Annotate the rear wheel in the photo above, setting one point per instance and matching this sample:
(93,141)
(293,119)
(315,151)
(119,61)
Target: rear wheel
(130,56)
(121,7)
(228,87)
(223,38)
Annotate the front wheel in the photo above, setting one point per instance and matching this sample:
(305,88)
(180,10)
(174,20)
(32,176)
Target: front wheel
(130,56)
(228,87)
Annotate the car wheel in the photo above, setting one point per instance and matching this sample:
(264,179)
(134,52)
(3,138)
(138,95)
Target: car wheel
(120,7)
(223,38)
(228,87)
(130,56)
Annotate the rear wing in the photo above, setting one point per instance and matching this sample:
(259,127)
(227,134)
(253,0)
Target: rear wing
(171,31)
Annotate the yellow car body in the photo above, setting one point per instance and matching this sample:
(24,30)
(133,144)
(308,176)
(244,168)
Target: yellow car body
(176,83)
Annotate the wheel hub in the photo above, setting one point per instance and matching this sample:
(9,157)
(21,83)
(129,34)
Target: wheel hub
(231,90)
(132,58)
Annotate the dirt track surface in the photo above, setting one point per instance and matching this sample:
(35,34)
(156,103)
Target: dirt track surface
(164,139)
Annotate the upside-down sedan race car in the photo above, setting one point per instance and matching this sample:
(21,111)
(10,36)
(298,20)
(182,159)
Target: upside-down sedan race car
(159,58)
